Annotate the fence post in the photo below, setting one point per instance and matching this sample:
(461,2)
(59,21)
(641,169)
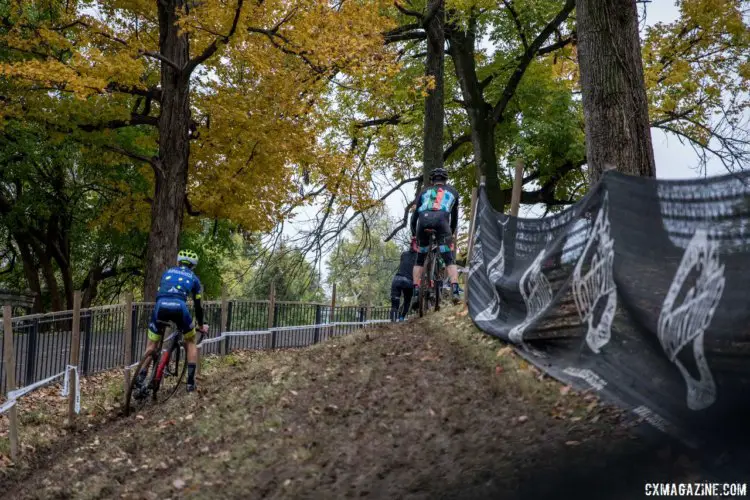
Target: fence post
(224,316)
(515,200)
(332,312)
(318,319)
(10,378)
(272,314)
(85,365)
(75,349)
(133,328)
(31,353)
(128,340)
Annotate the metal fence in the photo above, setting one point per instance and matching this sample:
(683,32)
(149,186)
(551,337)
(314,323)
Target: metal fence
(42,342)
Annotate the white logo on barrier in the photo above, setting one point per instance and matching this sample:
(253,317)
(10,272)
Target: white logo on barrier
(598,283)
(495,273)
(497,265)
(536,291)
(476,256)
(589,376)
(681,324)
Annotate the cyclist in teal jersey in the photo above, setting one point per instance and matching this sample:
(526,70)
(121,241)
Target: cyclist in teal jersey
(437,210)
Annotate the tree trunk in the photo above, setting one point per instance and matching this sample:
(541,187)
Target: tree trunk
(58,247)
(618,136)
(480,113)
(615,109)
(171,168)
(31,271)
(434,113)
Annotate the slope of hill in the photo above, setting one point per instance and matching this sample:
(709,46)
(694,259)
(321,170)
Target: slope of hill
(430,408)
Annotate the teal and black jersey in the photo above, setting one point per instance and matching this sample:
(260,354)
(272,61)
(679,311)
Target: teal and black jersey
(437,198)
(178,283)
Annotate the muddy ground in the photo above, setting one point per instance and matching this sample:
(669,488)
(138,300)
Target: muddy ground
(422,410)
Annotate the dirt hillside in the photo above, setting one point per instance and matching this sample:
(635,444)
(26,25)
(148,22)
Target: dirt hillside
(422,410)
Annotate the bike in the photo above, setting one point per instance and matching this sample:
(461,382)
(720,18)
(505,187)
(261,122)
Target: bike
(431,281)
(166,370)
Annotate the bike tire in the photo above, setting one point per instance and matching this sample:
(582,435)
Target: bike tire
(177,365)
(438,291)
(131,399)
(424,287)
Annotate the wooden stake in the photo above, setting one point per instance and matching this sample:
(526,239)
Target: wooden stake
(272,313)
(224,318)
(128,336)
(332,314)
(10,378)
(75,348)
(515,200)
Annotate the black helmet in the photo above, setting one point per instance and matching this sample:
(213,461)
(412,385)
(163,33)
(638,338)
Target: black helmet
(438,174)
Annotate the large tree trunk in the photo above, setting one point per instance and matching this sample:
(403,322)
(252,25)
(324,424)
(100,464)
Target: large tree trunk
(174,149)
(615,109)
(434,114)
(618,136)
(480,113)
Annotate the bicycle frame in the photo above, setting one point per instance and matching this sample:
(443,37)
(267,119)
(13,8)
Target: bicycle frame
(166,354)
(429,282)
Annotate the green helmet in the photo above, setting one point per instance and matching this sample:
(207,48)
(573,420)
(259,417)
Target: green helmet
(187,256)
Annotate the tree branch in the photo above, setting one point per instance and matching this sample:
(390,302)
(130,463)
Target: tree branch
(211,49)
(391,120)
(404,222)
(135,119)
(411,35)
(556,46)
(517,22)
(455,145)
(189,208)
(407,12)
(153,93)
(528,56)
(117,149)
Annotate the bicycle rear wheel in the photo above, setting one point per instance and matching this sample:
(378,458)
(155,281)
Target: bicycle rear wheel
(424,287)
(174,371)
(437,291)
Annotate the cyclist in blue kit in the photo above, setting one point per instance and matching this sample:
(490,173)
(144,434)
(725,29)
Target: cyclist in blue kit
(171,305)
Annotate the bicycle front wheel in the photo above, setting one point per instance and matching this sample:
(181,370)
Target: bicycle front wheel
(137,395)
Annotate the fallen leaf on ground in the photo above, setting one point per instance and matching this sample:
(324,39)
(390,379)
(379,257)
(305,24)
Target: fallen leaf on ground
(523,418)
(504,351)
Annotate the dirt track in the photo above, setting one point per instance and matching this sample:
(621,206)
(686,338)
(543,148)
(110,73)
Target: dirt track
(412,411)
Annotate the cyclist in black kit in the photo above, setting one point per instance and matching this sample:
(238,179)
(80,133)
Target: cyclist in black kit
(402,284)
(437,210)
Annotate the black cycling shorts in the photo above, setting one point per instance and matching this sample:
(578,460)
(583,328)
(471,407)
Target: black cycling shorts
(439,223)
